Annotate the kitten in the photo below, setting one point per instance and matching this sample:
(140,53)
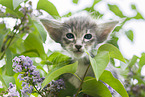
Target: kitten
(74,35)
(78,33)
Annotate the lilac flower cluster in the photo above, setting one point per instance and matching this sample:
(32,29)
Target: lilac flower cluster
(12,91)
(57,85)
(20,63)
(31,78)
(54,87)
(26,89)
(28,74)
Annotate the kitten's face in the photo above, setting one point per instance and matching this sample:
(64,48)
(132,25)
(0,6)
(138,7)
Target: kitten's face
(77,37)
(78,33)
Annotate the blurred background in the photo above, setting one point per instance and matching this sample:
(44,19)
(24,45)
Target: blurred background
(129,36)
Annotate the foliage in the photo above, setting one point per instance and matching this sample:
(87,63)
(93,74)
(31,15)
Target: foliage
(27,37)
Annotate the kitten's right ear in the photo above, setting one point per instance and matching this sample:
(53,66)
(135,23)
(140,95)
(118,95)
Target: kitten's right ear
(104,29)
(54,29)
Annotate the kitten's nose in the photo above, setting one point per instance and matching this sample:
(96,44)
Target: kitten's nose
(78,46)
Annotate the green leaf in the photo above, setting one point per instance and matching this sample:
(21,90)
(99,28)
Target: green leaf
(99,63)
(58,71)
(16,3)
(67,15)
(95,88)
(35,94)
(108,78)
(95,2)
(18,82)
(48,7)
(115,9)
(2,26)
(18,44)
(46,62)
(94,12)
(3,68)
(129,34)
(14,13)
(133,6)
(3,33)
(7,3)
(141,61)
(8,79)
(32,42)
(139,79)
(58,58)
(9,57)
(3,82)
(123,65)
(31,53)
(113,41)
(138,16)
(133,60)
(41,30)
(41,70)
(113,51)
(75,1)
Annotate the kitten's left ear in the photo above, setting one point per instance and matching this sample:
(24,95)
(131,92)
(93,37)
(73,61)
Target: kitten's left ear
(53,27)
(104,29)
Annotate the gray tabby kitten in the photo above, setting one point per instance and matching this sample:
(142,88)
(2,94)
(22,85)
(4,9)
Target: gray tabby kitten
(74,35)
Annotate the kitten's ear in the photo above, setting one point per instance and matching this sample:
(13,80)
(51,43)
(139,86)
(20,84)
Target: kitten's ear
(104,29)
(54,29)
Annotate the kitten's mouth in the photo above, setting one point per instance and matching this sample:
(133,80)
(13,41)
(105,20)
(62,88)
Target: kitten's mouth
(78,51)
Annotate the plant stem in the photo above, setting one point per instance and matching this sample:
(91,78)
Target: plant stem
(82,81)
(77,77)
(7,46)
(39,92)
(11,39)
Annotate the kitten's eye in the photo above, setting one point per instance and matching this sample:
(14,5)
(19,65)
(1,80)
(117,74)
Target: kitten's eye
(69,35)
(88,36)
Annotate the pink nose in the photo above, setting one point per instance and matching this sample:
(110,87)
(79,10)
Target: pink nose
(78,46)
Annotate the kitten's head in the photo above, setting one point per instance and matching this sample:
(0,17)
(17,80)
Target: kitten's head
(78,33)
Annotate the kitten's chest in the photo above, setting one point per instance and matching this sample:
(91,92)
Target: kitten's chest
(82,67)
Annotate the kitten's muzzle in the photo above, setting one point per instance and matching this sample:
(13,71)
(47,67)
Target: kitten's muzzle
(78,47)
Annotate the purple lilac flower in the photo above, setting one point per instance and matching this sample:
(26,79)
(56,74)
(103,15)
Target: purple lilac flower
(20,77)
(54,87)
(25,64)
(28,74)
(57,85)
(12,91)
(18,68)
(26,90)
(32,68)
(22,62)
(39,82)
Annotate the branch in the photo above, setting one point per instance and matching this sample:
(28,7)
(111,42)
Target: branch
(82,81)
(16,28)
